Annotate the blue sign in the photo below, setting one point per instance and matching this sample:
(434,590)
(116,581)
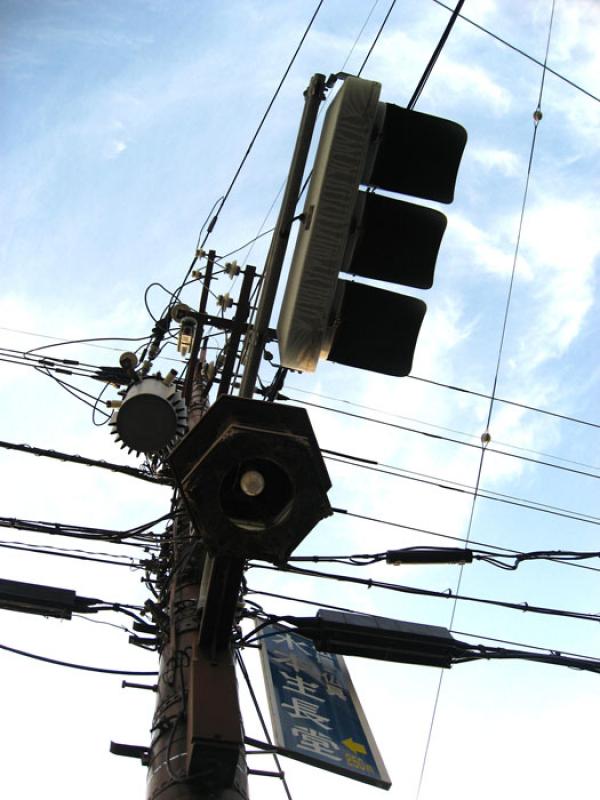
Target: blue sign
(316,715)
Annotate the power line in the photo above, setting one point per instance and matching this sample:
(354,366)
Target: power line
(437,534)
(537,116)
(72,367)
(440,437)
(359,34)
(522,53)
(133,472)
(38,550)
(89,340)
(71,665)
(477,492)
(262,233)
(430,435)
(436,54)
(376,39)
(495,558)
(140,532)
(74,392)
(445,428)
(249,242)
(520,644)
(447,595)
(213,222)
(315,604)
(566,417)
(427,532)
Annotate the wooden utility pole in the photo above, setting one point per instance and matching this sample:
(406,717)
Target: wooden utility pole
(193,691)
(197,749)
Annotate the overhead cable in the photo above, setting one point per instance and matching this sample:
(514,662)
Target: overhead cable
(133,472)
(48,552)
(228,191)
(315,604)
(71,665)
(441,437)
(477,492)
(447,595)
(434,57)
(521,52)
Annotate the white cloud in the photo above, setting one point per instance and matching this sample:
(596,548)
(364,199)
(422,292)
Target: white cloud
(505,161)
(116,147)
(475,84)
(562,244)
(491,249)
(451,78)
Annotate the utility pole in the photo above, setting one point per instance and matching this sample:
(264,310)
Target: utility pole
(197,749)
(172,775)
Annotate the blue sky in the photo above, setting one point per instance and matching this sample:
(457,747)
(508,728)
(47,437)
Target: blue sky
(123,124)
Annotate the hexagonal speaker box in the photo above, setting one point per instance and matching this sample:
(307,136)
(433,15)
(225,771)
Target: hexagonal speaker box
(253,478)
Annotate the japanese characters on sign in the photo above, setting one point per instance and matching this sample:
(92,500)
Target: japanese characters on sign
(316,715)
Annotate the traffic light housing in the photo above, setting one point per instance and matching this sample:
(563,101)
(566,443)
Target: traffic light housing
(346,229)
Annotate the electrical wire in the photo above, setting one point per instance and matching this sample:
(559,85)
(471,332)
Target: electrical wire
(71,665)
(105,374)
(88,340)
(57,339)
(451,430)
(295,599)
(447,595)
(140,532)
(427,532)
(251,241)
(358,36)
(45,551)
(536,118)
(480,652)
(434,57)
(376,39)
(29,356)
(229,189)
(521,644)
(524,406)
(147,547)
(350,459)
(497,559)
(262,233)
(47,364)
(440,437)
(476,491)
(133,472)
(522,53)
(96,410)
(73,391)
(102,622)
(456,652)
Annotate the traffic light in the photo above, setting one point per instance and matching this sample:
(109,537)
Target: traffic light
(365,142)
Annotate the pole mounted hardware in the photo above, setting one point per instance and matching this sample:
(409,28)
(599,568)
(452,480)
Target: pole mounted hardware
(253,478)
(346,229)
(130,751)
(385,639)
(32,598)
(152,416)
